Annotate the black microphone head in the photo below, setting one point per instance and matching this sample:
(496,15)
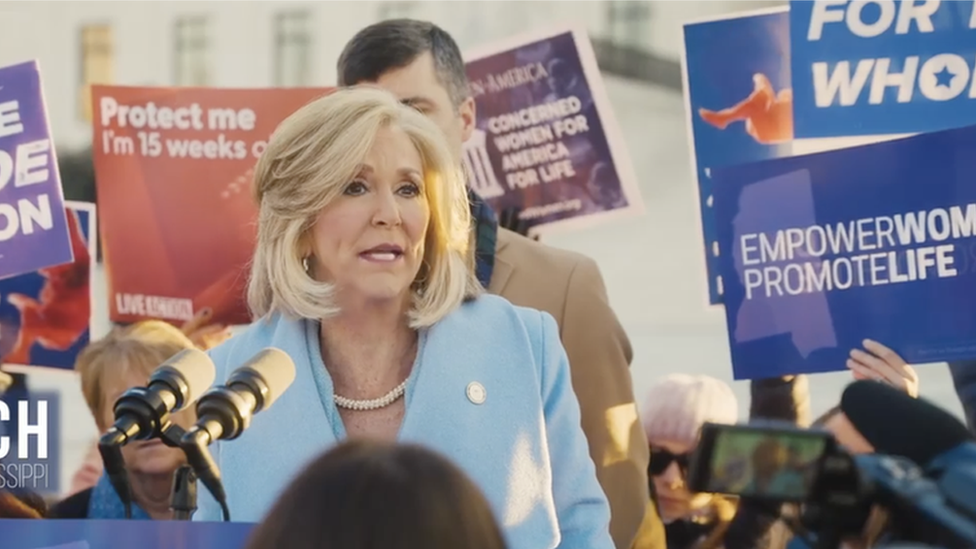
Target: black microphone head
(896,423)
(273,368)
(189,373)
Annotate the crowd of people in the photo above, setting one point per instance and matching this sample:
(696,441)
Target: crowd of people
(457,383)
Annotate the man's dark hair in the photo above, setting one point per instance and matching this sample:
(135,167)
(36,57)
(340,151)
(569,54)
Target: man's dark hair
(396,43)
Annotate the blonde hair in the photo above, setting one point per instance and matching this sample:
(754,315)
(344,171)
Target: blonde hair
(140,347)
(310,158)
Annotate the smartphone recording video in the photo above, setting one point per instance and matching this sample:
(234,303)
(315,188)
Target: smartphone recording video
(779,464)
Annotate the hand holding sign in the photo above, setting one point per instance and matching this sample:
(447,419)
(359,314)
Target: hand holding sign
(882,364)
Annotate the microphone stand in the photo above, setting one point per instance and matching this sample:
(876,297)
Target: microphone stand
(195,445)
(183,501)
(110,447)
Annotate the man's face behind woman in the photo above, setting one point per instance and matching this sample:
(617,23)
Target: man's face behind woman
(418,86)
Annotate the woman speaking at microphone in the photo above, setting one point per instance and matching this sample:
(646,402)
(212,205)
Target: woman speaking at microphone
(362,274)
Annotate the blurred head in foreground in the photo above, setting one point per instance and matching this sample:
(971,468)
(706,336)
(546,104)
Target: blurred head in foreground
(374,495)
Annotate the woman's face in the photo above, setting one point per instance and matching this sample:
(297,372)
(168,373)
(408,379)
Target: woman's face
(148,457)
(369,241)
(675,501)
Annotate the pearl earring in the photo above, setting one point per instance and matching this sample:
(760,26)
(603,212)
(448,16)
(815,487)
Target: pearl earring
(305,263)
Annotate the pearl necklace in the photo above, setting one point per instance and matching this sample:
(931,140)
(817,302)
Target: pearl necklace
(372,404)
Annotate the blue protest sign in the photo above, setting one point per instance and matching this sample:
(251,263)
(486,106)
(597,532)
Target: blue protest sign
(882,67)
(33,231)
(122,534)
(828,249)
(737,102)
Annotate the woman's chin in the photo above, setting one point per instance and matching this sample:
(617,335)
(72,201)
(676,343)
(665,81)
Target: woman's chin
(155,465)
(672,511)
(381,292)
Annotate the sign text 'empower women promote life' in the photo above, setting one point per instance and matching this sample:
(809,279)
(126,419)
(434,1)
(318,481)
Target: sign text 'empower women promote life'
(828,249)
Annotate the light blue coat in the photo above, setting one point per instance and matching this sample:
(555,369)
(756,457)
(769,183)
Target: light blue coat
(523,445)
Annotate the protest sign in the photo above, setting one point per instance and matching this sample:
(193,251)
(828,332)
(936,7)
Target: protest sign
(737,85)
(173,171)
(828,249)
(33,227)
(880,70)
(45,316)
(123,534)
(545,140)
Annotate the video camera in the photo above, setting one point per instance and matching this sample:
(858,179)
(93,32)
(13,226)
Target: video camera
(836,495)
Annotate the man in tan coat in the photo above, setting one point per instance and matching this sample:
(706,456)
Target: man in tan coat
(421,64)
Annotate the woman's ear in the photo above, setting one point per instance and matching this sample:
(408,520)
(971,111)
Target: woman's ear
(467,112)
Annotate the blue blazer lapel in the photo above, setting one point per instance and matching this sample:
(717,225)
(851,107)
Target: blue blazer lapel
(294,430)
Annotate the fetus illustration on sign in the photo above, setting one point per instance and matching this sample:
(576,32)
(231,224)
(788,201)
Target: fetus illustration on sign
(767,114)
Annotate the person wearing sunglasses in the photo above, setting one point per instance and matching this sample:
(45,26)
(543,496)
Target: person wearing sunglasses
(672,416)
(673,413)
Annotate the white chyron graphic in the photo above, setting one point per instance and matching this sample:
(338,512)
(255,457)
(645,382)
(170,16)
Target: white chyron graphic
(481,175)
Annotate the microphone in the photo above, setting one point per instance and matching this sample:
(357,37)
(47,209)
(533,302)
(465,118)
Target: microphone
(936,442)
(142,413)
(225,412)
(896,423)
